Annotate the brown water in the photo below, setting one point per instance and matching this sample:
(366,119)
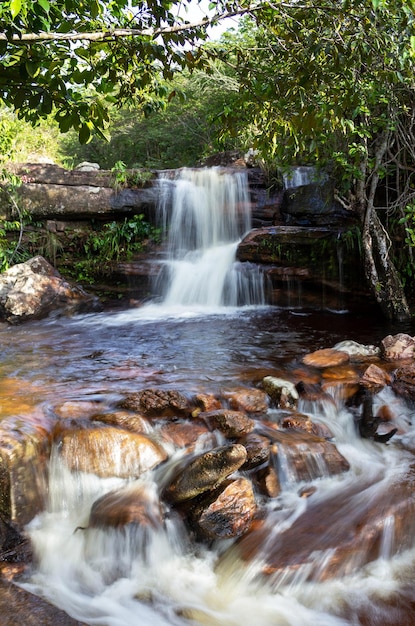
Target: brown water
(100,357)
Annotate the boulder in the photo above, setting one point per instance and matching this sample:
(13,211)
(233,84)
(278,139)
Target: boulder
(248,400)
(404,382)
(108,451)
(34,290)
(134,504)
(204,472)
(228,513)
(375,377)
(327,357)
(257,448)
(124,419)
(186,434)
(157,403)
(357,351)
(230,423)
(396,347)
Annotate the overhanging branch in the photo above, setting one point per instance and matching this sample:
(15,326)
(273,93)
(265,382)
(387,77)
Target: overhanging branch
(117,33)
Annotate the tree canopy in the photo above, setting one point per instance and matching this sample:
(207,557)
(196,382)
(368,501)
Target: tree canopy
(75,58)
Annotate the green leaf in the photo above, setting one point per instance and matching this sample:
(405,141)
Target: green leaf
(15,7)
(45,5)
(84,134)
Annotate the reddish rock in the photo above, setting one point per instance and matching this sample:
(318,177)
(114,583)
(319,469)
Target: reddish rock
(74,409)
(345,529)
(134,504)
(397,347)
(124,419)
(257,448)
(297,421)
(267,481)
(249,400)
(229,513)
(404,382)
(328,357)
(157,403)
(344,373)
(231,423)
(375,377)
(207,402)
(109,451)
(185,434)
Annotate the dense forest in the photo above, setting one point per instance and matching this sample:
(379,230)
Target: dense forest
(329,84)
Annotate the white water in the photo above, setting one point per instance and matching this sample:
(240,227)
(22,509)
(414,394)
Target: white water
(206,212)
(125,577)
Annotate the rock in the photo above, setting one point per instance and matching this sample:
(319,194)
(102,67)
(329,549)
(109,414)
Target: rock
(204,472)
(267,482)
(186,434)
(357,351)
(327,357)
(229,513)
(248,400)
(282,392)
(346,529)
(86,166)
(257,448)
(80,408)
(24,453)
(34,290)
(231,423)
(404,382)
(124,419)
(108,451)
(207,402)
(375,377)
(134,504)
(298,421)
(304,456)
(396,347)
(157,403)
(313,205)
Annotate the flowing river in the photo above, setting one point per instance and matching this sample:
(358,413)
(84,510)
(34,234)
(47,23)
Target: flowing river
(162,577)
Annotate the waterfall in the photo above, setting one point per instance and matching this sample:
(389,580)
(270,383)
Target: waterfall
(299,175)
(205,212)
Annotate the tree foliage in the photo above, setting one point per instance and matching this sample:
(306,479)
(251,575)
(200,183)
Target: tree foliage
(75,58)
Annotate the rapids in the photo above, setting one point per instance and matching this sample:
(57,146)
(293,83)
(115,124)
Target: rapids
(161,576)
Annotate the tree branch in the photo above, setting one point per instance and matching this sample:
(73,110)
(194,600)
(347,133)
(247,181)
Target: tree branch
(117,33)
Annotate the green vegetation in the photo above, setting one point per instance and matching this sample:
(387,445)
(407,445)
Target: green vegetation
(328,83)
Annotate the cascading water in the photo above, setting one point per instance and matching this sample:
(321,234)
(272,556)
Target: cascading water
(205,213)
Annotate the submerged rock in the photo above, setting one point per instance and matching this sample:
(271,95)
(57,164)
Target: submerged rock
(230,423)
(34,290)
(327,357)
(134,504)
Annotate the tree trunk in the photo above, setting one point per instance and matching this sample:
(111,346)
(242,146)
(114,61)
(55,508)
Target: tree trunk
(380,271)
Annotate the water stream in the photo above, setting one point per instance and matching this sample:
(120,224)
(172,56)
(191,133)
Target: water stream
(160,576)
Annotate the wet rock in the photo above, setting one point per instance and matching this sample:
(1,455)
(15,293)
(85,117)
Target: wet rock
(74,409)
(304,456)
(186,434)
(397,347)
(134,504)
(267,481)
(403,382)
(357,351)
(355,535)
(283,393)
(207,402)
(231,423)
(157,403)
(375,377)
(248,400)
(327,357)
(24,452)
(343,373)
(229,513)
(124,419)
(257,448)
(34,290)
(109,451)
(298,421)
(204,472)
